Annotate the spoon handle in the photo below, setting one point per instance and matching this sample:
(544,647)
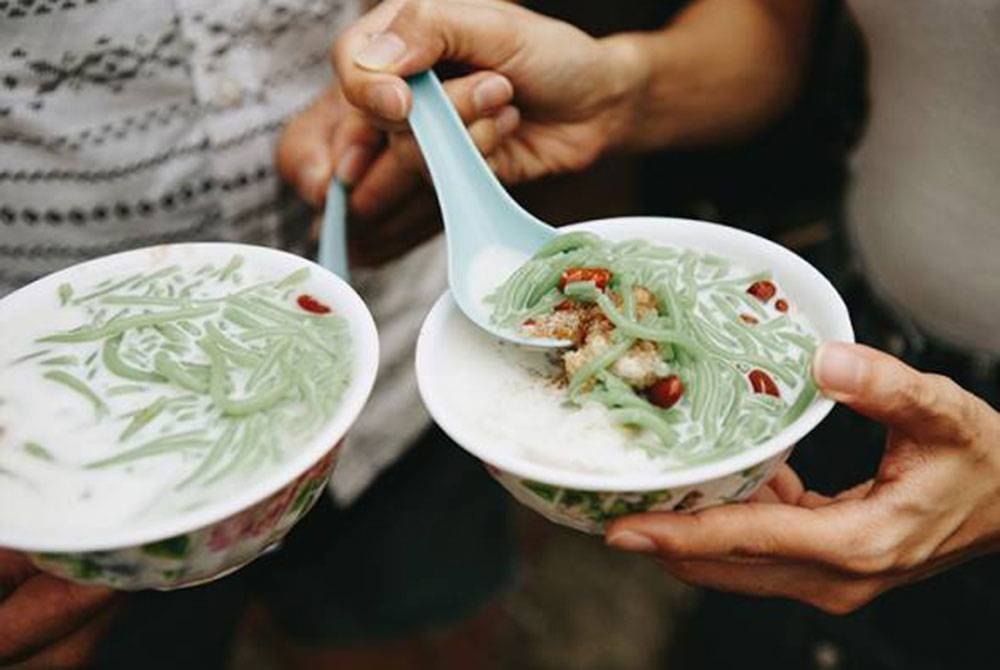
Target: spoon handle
(464,183)
(333,235)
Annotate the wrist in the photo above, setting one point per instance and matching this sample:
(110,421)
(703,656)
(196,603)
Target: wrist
(628,65)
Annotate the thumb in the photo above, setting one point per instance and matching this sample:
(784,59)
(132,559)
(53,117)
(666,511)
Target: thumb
(889,391)
(370,65)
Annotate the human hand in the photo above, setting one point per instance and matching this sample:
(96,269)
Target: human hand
(47,622)
(934,502)
(391,210)
(575,93)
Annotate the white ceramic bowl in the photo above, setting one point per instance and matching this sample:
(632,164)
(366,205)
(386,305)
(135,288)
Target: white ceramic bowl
(211,541)
(585,500)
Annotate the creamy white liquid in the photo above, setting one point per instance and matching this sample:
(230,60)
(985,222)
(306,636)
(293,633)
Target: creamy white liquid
(504,393)
(59,495)
(488,270)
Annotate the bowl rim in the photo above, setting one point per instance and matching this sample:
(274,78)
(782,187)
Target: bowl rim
(365,351)
(524,468)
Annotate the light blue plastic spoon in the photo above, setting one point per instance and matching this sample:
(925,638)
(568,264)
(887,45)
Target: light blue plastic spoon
(333,234)
(479,215)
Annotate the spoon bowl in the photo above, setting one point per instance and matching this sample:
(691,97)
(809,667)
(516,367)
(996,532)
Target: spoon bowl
(488,234)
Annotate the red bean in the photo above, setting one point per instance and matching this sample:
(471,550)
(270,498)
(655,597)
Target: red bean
(761,382)
(762,290)
(311,304)
(666,392)
(781,305)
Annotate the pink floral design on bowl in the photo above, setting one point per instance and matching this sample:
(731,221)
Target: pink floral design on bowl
(204,554)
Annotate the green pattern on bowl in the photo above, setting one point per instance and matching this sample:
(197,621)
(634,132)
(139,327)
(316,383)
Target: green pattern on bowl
(589,511)
(172,547)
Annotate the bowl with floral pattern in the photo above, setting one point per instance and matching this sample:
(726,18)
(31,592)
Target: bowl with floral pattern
(503,404)
(168,414)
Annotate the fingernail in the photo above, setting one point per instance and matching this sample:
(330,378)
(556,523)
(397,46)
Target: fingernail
(631,541)
(507,120)
(491,93)
(352,164)
(382,51)
(312,181)
(389,102)
(838,367)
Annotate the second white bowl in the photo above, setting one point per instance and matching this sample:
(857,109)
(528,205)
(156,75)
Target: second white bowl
(586,500)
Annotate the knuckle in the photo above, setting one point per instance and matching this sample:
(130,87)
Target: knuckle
(872,562)
(670,547)
(908,559)
(940,402)
(839,604)
(406,152)
(413,11)
(494,164)
(967,416)
(762,545)
(887,560)
(578,161)
(940,391)
(340,51)
(484,135)
(957,410)
(831,605)
(508,169)
(875,552)
(683,571)
(583,156)
(919,391)
(844,598)
(364,203)
(459,91)
(865,564)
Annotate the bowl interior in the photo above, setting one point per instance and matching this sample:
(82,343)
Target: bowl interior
(803,284)
(325,284)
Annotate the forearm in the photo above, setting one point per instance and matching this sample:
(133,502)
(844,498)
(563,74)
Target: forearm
(720,72)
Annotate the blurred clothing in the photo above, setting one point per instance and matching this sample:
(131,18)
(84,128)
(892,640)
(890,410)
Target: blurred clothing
(399,294)
(128,123)
(925,203)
